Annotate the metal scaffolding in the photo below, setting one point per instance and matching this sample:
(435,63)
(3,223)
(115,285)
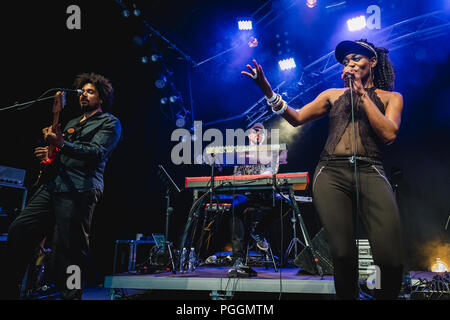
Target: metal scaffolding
(319,72)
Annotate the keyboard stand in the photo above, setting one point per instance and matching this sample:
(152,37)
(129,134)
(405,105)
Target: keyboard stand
(308,244)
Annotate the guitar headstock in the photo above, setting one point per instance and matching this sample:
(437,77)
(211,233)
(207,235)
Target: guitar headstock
(59,102)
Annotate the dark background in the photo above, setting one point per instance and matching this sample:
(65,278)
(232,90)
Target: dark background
(39,52)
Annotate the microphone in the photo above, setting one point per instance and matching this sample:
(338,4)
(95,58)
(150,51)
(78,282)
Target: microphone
(77,91)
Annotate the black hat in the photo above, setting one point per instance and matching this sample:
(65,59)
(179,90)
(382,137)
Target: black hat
(344,48)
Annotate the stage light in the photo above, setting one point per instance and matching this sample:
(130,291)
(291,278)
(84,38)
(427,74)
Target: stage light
(245,25)
(138,40)
(174,99)
(136,11)
(181,121)
(164,100)
(161,82)
(253,42)
(439,266)
(311,3)
(357,23)
(287,64)
(126,13)
(155,57)
(144,59)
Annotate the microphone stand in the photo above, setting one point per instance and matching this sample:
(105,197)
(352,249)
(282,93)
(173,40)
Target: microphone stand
(355,165)
(170,187)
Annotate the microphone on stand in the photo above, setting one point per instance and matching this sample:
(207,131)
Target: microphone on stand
(77,91)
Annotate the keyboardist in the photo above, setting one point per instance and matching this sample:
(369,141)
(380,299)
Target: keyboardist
(251,210)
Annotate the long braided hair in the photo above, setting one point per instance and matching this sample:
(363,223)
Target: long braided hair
(383,72)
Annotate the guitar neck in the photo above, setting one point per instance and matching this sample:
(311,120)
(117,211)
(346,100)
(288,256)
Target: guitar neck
(58,105)
(55,122)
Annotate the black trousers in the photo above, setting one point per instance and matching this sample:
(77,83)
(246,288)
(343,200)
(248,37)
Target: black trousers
(250,214)
(68,215)
(334,199)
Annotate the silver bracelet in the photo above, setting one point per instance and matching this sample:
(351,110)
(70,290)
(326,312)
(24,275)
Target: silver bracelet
(271,100)
(282,110)
(275,102)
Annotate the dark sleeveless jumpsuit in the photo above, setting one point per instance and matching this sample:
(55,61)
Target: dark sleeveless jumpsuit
(334,195)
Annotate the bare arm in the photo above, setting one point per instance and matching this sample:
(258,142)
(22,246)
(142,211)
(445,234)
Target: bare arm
(385,126)
(314,110)
(310,112)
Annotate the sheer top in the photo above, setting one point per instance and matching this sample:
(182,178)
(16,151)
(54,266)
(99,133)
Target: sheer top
(340,134)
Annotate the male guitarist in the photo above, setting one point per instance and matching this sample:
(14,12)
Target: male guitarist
(65,200)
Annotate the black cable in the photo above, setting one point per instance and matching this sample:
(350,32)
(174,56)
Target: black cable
(281,249)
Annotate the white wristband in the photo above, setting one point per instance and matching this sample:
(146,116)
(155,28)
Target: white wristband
(274,97)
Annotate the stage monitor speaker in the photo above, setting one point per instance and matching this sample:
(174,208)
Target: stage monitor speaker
(323,255)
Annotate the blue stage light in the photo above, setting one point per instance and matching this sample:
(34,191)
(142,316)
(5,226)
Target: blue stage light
(181,121)
(173,98)
(155,57)
(252,42)
(161,82)
(357,23)
(287,64)
(311,3)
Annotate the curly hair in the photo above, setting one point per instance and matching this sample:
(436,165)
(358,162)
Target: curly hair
(102,84)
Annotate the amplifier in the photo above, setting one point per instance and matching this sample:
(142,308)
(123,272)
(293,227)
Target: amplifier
(12,176)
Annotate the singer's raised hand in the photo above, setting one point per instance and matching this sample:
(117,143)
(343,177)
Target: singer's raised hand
(257,74)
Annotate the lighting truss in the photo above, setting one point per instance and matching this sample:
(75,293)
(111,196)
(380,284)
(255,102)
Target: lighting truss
(394,37)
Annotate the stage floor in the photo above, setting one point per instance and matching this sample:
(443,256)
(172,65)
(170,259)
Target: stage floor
(215,280)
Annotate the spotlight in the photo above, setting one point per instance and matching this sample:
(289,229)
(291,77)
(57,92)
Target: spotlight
(287,64)
(155,57)
(164,100)
(181,121)
(245,25)
(136,11)
(439,266)
(161,82)
(144,59)
(138,40)
(357,23)
(253,42)
(126,13)
(173,99)
(311,3)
